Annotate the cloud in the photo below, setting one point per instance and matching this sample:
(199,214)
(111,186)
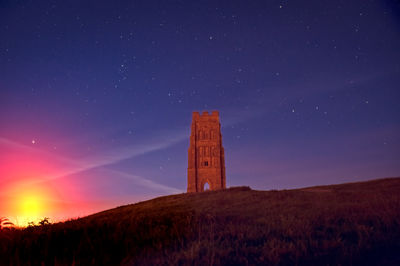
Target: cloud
(145,182)
(68,166)
(234,116)
(124,153)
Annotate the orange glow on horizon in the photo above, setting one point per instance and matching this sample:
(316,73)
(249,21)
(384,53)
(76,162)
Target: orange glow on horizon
(35,184)
(32,204)
(32,200)
(28,191)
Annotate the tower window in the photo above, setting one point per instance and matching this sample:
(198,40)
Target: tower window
(206,163)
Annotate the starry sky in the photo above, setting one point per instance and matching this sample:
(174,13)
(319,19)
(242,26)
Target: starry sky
(96,97)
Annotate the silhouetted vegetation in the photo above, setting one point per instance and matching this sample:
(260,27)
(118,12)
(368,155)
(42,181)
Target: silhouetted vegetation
(356,223)
(5,223)
(45,221)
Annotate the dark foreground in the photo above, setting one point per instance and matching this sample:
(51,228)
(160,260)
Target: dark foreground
(357,223)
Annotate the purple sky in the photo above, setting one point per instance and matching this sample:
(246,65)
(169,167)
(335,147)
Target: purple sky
(99,94)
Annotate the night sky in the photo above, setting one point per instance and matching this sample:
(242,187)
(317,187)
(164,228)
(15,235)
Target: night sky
(96,97)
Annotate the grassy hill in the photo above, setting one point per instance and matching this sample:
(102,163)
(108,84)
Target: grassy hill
(355,223)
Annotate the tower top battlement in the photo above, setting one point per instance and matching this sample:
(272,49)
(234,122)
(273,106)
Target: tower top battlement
(205,115)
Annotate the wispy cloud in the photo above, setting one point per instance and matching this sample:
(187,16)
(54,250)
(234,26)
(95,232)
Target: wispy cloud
(235,116)
(74,166)
(120,154)
(145,182)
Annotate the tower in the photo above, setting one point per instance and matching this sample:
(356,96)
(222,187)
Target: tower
(206,159)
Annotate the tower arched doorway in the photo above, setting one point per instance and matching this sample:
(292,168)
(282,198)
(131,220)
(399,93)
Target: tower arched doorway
(206,186)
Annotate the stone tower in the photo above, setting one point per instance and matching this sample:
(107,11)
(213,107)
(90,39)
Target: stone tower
(206,159)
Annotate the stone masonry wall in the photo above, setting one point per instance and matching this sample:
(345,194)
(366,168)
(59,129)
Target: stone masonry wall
(206,160)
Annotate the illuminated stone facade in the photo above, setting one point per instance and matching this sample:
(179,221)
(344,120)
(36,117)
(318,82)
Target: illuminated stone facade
(206,159)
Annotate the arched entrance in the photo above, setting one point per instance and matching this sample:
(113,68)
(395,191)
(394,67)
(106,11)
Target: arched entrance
(206,186)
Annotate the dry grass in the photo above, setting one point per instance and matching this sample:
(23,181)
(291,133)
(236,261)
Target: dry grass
(357,223)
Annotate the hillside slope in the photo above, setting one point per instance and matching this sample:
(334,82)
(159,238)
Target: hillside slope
(355,223)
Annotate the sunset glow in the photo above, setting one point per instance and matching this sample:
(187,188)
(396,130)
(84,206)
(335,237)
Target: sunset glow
(37,182)
(27,202)
(31,208)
